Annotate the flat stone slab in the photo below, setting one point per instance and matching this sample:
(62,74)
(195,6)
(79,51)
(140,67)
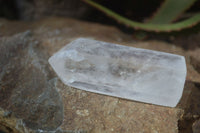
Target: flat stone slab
(45,104)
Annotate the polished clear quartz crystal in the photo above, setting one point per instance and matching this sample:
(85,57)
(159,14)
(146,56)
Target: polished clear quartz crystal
(126,72)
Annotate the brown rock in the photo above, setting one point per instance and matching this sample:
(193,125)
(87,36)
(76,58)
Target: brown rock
(194,59)
(30,89)
(196,127)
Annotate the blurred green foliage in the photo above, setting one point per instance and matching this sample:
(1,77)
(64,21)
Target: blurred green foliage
(165,19)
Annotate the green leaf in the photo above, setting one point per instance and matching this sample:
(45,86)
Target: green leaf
(147,26)
(170,10)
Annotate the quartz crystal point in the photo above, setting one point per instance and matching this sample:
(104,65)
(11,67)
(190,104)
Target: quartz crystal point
(126,72)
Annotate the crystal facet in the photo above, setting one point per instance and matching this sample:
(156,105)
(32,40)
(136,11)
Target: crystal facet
(121,71)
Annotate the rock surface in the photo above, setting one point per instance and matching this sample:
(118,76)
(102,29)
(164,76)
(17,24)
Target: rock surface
(27,85)
(33,99)
(196,127)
